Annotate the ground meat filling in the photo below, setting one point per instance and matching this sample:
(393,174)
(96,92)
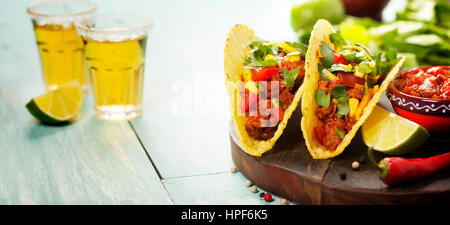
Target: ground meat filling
(356,92)
(330,121)
(331,140)
(264,125)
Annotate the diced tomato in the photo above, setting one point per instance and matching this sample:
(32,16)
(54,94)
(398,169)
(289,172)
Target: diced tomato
(320,133)
(349,79)
(436,70)
(445,92)
(427,82)
(409,73)
(335,82)
(339,59)
(264,73)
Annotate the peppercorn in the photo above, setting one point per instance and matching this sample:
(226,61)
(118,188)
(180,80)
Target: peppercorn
(343,175)
(261,195)
(268,197)
(355,165)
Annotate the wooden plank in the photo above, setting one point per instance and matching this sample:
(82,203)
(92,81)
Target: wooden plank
(217,189)
(185,112)
(87,162)
(289,170)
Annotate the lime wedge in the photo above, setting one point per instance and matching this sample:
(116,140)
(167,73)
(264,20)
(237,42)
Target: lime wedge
(59,105)
(392,134)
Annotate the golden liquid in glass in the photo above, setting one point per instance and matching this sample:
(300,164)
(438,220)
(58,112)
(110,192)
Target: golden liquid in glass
(117,74)
(62,58)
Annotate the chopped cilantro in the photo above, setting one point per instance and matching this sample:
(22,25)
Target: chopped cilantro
(391,54)
(354,56)
(320,68)
(269,62)
(255,44)
(302,48)
(368,84)
(343,108)
(364,47)
(364,67)
(260,51)
(335,68)
(327,52)
(339,133)
(322,98)
(337,40)
(378,64)
(290,76)
(339,92)
(387,66)
(276,49)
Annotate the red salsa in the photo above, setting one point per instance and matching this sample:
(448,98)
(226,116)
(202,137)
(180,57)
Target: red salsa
(426,82)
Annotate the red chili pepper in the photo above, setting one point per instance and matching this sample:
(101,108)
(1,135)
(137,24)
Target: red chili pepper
(396,170)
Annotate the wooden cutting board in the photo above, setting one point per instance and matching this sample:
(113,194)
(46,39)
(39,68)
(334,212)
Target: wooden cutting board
(289,171)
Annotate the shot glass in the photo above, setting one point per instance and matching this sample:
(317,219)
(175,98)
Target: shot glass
(61,48)
(115,54)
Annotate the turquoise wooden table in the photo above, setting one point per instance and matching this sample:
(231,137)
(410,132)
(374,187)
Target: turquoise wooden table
(178,152)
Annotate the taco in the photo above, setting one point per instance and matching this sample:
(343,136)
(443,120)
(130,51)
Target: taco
(345,83)
(264,82)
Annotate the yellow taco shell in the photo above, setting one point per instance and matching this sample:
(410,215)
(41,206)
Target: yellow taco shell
(321,31)
(236,50)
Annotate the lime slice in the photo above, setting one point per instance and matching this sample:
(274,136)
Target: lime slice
(59,105)
(392,134)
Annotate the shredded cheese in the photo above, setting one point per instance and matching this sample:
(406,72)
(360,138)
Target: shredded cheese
(361,50)
(288,48)
(247,75)
(365,99)
(353,105)
(345,67)
(272,44)
(375,89)
(269,56)
(329,75)
(359,74)
(293,58)
(251,86)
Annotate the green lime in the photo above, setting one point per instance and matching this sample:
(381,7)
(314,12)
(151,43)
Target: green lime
(59,105)
(306,13)
(392,134)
